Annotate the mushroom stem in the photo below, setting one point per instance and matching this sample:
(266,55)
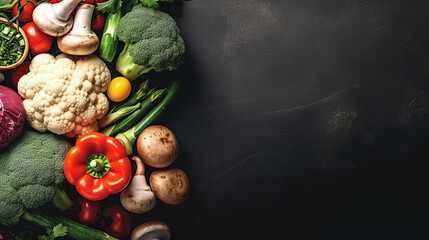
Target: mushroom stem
(82,20)
(63,9)
(138,197)
(140,166)
(81,40)
(54,19)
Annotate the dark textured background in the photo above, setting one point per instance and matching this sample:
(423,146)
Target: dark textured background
(304,119)
(301,119)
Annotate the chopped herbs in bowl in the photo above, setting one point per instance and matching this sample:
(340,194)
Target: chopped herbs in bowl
(13,46)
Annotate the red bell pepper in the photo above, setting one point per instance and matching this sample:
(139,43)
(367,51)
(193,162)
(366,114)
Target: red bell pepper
(98,165)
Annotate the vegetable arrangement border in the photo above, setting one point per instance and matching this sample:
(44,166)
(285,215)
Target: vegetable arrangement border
(81,104)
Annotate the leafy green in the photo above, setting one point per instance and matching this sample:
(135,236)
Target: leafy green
(130,4)
(154,3)
(57,231)
(6,5)
(114,6)
(4,2)
(111,6)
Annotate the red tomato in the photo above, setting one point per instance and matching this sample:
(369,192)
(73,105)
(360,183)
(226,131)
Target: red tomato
(116,221)
(26,12)
(90,211)
(19,71)
(39,41)
(97,24)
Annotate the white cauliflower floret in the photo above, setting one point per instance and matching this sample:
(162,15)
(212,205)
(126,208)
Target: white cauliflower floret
(64,94)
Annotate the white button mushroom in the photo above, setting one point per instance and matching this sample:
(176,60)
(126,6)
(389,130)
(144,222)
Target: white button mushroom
(54,19)
(81,40)
(154,230)
(137,197)
(170,185)
(157,146)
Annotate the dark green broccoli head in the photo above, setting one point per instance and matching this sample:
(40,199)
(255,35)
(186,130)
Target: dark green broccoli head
(30,169)
(153,37)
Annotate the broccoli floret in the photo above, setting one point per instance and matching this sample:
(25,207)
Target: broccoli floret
(31,169)
(152,41)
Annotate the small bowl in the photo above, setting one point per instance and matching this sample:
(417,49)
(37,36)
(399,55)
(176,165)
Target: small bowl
(26,48)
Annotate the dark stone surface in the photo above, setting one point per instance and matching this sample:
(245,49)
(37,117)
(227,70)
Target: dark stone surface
(303,119)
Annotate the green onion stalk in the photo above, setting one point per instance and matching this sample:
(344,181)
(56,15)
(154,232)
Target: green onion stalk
(140,94)
(129,137)
(115,116)
(128,122)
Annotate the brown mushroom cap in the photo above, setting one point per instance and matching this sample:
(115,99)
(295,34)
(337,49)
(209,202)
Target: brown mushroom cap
(76,44)
(157,146)
(151,230)
(170,185)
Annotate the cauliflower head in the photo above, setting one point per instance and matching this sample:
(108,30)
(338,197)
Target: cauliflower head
(64,94)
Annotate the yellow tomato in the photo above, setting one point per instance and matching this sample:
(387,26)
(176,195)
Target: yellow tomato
(119,89)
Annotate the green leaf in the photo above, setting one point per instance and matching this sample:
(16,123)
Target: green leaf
(111,6)
(4,2)
(130,4)
(59,231)
(154,3)
(150,3)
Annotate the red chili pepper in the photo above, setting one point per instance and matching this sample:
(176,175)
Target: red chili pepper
(98,165)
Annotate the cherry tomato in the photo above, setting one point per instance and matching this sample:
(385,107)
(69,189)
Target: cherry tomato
(39,42)
(26,12)
(116,221)
(97,24)
(19,71)
(119,89)
(90,211)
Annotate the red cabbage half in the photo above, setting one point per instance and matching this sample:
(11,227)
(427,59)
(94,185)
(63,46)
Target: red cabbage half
(12,115)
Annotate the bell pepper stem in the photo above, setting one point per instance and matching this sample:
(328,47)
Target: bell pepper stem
(97,165)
